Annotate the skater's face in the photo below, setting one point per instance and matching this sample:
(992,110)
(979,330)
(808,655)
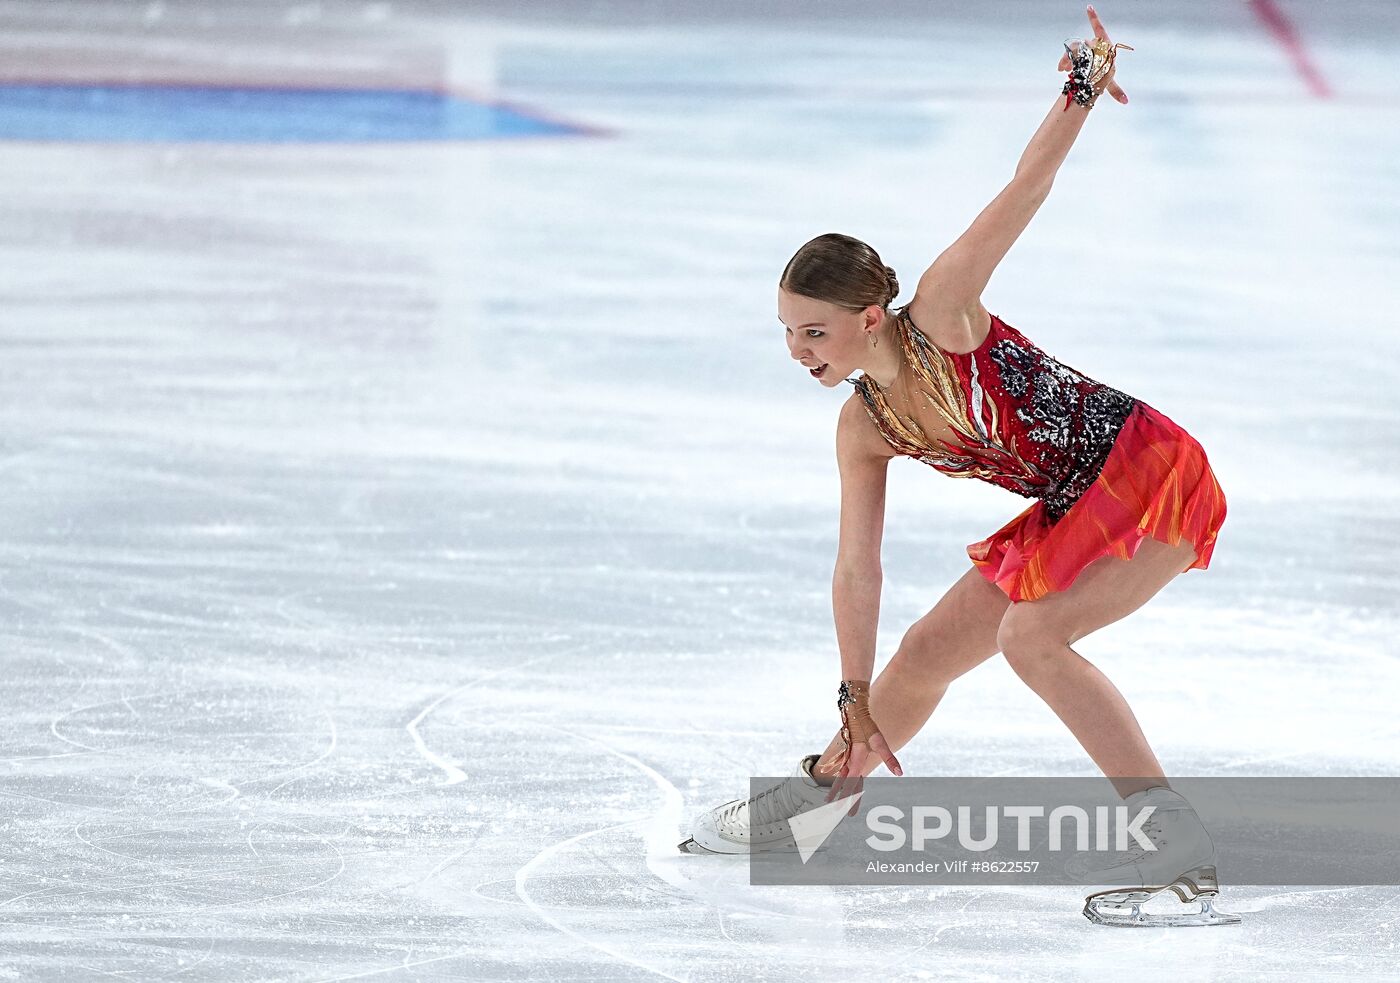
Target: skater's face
(829,341)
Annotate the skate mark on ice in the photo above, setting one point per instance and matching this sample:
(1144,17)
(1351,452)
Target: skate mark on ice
(176,699)
(330,749)
(1287,899)
(252,902)
(198,962)
(666,864)
(455,774)
(690,732)
(162,876)
(449,768)
(660,827)
(220,783)
(660,834)
(121,700)
(522,879)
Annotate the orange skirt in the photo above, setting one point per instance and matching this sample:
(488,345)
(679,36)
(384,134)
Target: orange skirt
(1155,482)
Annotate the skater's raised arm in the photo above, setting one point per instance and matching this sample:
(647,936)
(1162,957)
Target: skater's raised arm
(957,278)
(862,457)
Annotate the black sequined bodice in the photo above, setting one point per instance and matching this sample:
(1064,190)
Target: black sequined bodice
(1020,418)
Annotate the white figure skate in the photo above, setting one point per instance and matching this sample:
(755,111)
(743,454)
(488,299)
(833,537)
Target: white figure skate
(1183,863)
(759,824)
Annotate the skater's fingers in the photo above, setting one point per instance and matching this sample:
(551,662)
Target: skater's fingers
(855,788)
(882,748)
(1116,91)
(848,789)
(834,792)
(854,766)
(1097,24)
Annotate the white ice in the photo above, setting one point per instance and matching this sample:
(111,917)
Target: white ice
(403,542)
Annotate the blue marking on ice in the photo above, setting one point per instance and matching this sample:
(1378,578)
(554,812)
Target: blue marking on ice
(137,113)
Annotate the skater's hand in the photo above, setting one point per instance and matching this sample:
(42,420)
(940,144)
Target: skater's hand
(1107,83)
(851,778)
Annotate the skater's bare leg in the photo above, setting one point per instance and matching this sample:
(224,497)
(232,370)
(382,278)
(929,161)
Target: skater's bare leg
(1036,637)
(957,634)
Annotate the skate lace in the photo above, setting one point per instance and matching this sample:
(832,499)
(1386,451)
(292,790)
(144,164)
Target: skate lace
(774,804)
(1153,831)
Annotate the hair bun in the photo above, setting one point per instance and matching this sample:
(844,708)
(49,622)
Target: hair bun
(839,269)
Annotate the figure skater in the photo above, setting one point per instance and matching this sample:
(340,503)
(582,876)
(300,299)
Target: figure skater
(1125,501)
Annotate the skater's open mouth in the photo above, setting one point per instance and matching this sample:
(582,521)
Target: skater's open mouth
(817,372)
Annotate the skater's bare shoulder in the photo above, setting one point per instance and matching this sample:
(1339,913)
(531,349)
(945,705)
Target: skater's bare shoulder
(859,442)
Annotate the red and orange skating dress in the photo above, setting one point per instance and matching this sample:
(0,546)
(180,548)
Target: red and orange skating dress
(1107,469)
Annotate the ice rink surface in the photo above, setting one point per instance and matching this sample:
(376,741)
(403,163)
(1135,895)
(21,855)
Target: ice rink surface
(404,539)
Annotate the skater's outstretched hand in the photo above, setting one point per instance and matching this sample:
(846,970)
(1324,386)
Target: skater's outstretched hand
(851,778)
(1107,83)
(861,738)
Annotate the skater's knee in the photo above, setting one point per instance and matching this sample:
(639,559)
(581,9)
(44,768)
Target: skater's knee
(1029,648)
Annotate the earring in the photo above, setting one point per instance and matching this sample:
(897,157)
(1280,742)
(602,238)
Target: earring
(875,340)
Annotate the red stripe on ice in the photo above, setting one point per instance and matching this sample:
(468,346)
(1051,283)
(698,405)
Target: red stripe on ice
(1278,24)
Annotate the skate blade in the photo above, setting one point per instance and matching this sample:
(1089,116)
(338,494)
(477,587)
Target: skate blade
(1102,910)
(691,847)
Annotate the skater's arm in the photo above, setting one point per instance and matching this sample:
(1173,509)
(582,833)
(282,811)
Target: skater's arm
(958,276)
(855,603)
(863,458)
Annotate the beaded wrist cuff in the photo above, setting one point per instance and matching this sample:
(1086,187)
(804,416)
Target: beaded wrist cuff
(849,691)
(1089,64)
